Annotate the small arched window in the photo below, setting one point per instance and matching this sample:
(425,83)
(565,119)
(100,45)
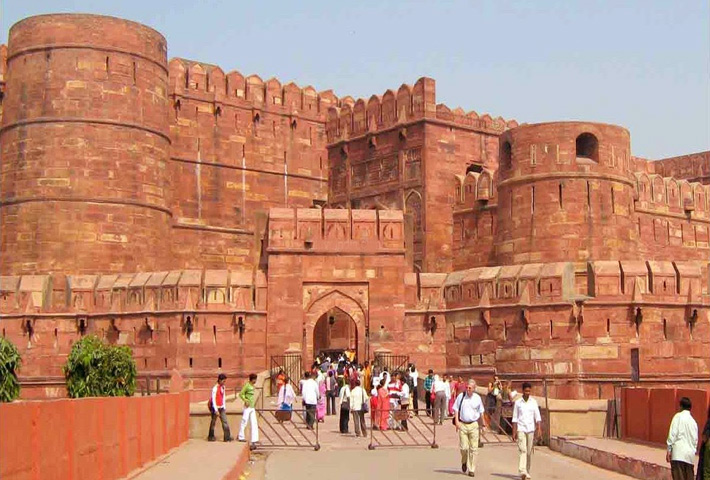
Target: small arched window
(588,147)
(506,155)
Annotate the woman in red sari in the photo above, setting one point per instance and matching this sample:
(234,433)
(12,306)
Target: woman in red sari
(374,415)
(383,406)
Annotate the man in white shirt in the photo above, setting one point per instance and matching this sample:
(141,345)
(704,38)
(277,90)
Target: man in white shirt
(414,376)
(682,442)
(310,394)
(468,413)
(526,422)
(404,398)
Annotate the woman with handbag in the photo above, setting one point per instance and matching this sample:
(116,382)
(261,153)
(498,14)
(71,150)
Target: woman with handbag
(344,408)
(285,400)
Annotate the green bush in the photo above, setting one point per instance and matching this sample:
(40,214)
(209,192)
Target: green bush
(10,362)
(97,370)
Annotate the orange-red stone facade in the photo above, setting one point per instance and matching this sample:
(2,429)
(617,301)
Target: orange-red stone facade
(210,220)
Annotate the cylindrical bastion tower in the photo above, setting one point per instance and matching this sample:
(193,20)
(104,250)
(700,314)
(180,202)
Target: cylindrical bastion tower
(565,193)
(84,185)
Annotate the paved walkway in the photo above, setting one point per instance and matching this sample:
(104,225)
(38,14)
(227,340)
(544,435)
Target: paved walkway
(645,453)
(495,463)
(196,459)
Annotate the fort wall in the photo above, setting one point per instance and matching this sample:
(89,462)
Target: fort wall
(239,146)
(400,150)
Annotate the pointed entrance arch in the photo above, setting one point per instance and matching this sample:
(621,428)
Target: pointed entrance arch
(335,331)
(345,310)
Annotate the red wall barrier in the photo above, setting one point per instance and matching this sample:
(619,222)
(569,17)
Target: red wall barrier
(92,438)
(647,412)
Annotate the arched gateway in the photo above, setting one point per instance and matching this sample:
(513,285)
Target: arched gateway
(334,276)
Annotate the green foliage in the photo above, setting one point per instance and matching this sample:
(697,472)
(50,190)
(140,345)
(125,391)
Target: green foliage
(10,362)
(97,370)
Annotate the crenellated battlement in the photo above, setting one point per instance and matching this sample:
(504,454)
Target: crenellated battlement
(670,195)
(137,293)
(336,230)
(354,118)
(694,167)
(209,83)
(527,285)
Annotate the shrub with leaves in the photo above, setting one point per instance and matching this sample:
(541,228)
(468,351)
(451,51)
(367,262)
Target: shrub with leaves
(98,370)
(10,362)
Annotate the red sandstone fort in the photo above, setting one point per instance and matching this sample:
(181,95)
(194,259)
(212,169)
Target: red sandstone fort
(212,221)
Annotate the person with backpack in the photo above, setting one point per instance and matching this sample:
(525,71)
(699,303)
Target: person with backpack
(331,392)
(217,407)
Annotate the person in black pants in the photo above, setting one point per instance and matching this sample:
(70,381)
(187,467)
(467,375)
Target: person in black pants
(413,380)
(428,382)
(331,391)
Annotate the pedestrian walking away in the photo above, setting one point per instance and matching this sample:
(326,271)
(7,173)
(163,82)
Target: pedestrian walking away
(682,442)
(358,407)
(704,452)
(526,424)
(248,396)
(310,393)
(413,376)
(344,408)
(439,389)
(331,392)
(217,407)
(428,382)
(469,420)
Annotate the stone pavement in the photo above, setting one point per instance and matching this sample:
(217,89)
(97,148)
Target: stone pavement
(196,459)
(633,459)
(495,463)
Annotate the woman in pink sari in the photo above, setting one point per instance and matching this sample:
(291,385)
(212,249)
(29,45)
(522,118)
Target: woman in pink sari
(320,406)
(383,406)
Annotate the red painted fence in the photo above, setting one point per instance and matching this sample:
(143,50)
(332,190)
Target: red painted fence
(647,412)
(93,438)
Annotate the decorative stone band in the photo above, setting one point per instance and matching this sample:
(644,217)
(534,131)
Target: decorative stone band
(567,175)
(54,46)
(249,169)
(110,201)
(96,121)
(398,126)
(211,228)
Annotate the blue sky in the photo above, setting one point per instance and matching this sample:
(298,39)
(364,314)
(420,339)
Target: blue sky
(643,64)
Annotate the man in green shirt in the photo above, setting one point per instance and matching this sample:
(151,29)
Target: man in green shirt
(248,396)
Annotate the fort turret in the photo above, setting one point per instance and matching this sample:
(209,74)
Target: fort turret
(565,192)
(85,141)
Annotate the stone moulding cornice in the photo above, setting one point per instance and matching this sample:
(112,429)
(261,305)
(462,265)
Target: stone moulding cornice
(128,314)
(587,304)
(95,121)
(248,106)
(339,252)
(211,228)
(422,119)
(248,169)
(538,177)
(109,201)
(656,213)
(66,46)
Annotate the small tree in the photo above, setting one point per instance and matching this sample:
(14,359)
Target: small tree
(10,363)
(97,370)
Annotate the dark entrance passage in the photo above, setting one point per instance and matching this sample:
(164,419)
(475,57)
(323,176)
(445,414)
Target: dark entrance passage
(335,333)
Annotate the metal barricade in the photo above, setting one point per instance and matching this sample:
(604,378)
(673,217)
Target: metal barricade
(285,429)
(406,428)
(292,366)
(394,363)
(501,433)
